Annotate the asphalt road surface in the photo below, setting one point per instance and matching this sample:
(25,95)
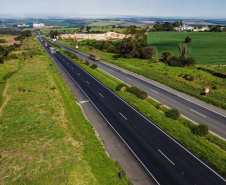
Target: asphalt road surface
(191,110)
(167,161)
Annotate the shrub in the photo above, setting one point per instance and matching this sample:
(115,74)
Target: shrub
(52,88)
(93,66)
(173,113)
(86,62)
(188,39)
(160,106)
(2,41)
(201,130)
(121,86)
(138,92)
(189,77)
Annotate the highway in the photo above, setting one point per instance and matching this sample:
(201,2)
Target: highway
(191,110)
(167,161)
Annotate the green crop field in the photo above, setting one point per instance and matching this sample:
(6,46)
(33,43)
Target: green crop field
(207,48)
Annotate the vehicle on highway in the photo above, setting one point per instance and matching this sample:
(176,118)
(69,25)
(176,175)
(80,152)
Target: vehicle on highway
(94,57)
(52,50)
(46,44)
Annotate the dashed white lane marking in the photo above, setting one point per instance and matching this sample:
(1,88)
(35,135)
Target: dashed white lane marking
(122,116)
(166,157)
(78,74)
(87,82)
(155,91)
(128,78)
(198,113)
(101,95)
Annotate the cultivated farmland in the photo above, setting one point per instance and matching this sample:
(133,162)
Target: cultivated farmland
(207,48)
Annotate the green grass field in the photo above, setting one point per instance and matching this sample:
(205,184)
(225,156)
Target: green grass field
(207,48)
(45,138)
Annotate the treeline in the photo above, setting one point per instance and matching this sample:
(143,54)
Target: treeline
(10,31)
(166,26)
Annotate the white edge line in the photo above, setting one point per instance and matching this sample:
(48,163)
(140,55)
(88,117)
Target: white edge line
(122,115)
(166,157)
(112,127)
(149,122)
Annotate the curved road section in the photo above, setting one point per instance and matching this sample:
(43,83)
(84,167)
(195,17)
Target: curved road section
(189,109)
(167,161)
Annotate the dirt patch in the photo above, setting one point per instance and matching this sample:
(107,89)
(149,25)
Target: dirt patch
(10,40)
(6,101)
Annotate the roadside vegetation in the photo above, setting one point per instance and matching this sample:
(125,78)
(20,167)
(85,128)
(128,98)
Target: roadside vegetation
(45,138)
(196,138)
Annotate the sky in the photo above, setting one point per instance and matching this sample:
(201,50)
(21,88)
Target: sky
(148,8)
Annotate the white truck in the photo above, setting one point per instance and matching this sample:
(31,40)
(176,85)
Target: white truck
(52,50)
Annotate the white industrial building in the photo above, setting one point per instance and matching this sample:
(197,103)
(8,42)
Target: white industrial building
(38,24)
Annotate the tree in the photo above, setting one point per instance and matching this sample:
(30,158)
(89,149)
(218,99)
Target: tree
(88,28)
(187,39)
(184,50)
(199,27)
(210,26)
(217,28)
(148,52)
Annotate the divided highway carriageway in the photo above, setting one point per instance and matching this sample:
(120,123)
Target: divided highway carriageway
(191,110)
(167,161)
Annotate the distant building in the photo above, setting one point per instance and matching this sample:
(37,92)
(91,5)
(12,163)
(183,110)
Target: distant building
(184,28)
(24,26)
(38,24)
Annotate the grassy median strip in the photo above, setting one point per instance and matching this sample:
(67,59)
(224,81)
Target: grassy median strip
(45,138)
(212,154)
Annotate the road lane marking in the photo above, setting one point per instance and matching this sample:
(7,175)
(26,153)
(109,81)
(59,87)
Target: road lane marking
(84,101)
(198,113)
(166,157)
(128,78)
(101,95)
(78,74)
(87,82)
(72,68)
(122,116)
(154,91)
